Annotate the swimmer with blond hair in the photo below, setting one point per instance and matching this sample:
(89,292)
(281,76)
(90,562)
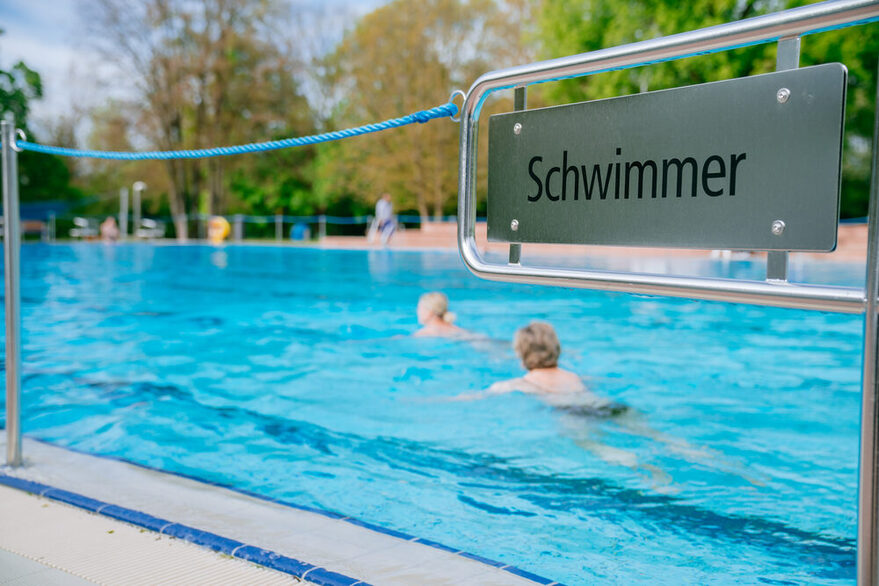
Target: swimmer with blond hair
(435,317)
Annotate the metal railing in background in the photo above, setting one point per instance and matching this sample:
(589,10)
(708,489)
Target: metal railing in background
(278,227)
(785,28)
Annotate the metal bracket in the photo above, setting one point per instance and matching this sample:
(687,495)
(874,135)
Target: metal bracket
(787,57)
(520,102)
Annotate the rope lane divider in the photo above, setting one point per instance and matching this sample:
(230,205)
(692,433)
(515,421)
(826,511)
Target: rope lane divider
(447,110)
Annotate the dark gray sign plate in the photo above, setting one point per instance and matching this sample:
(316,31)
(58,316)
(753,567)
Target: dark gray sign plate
(706,166)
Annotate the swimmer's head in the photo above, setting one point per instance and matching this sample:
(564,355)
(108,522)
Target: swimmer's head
(434,304)
(537,346)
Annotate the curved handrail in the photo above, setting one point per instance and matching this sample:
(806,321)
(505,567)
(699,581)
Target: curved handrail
(760,29)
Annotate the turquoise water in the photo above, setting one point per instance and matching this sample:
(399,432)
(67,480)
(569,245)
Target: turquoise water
(291,373)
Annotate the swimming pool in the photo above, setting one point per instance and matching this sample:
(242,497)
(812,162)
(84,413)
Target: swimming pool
(289,373)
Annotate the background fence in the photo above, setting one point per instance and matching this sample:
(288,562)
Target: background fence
(243,227)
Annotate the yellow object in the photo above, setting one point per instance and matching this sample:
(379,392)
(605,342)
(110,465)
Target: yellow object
(218,229)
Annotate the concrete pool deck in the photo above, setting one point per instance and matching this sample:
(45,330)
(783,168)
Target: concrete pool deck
(46,542)
(329,549)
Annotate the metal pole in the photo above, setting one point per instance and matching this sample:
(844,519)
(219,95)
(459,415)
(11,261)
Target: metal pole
(135,209)
(52,227)
(12,258)
(322,227)
(279,227)
(123,213)
(136,192)
(238,227)
(868,480)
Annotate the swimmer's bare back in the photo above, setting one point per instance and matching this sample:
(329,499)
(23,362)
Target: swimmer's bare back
(568,392)
(441,330)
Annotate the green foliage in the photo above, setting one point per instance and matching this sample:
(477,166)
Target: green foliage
(406,56)
(276,182)
(19,86)
(857,48)
(42,177)
(567,27)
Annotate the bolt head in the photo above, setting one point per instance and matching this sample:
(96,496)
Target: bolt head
(783,95)
(514,225)
(517,128)
(778,227)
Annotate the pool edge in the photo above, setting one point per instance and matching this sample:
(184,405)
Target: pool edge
(212,541)
(87,503)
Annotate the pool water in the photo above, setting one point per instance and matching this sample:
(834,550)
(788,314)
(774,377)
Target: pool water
(292,373)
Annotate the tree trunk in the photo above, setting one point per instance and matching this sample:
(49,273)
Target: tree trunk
(437,194)
(215,173)
(176,199)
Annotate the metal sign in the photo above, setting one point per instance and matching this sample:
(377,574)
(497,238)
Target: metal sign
(751,163)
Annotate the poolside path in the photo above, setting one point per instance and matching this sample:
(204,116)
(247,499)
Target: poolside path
(320,547)
(56,544)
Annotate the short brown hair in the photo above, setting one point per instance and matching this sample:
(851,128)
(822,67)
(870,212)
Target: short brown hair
(537,345)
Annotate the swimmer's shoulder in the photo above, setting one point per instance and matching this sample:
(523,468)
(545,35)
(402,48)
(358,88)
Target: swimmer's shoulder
(512,385)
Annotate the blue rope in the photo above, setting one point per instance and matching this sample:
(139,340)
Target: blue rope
(446,110)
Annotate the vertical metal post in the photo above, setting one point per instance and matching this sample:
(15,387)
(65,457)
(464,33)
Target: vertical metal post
(322,227)
(520,102)
(123,213)
(238,228)
(868,478)
(51,226)
(12,258)
(136,193)
(279,227)
(787,57)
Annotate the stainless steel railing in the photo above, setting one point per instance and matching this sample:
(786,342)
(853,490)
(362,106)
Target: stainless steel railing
(773,27)
(12,293)
(784,27)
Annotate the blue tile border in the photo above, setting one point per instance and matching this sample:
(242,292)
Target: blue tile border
(218,543)
(326,513)
(77,500)
(135,518)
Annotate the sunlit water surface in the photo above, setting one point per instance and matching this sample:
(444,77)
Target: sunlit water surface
(291,373)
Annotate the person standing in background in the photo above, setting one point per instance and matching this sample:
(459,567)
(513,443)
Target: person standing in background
(384,217)
(109,230)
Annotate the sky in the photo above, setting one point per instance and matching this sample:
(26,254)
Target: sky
(46,35)
(43,34)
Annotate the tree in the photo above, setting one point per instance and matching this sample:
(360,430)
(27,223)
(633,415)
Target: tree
(404,57)
(113,128)
(42,177)
(210,73)
(567,27)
